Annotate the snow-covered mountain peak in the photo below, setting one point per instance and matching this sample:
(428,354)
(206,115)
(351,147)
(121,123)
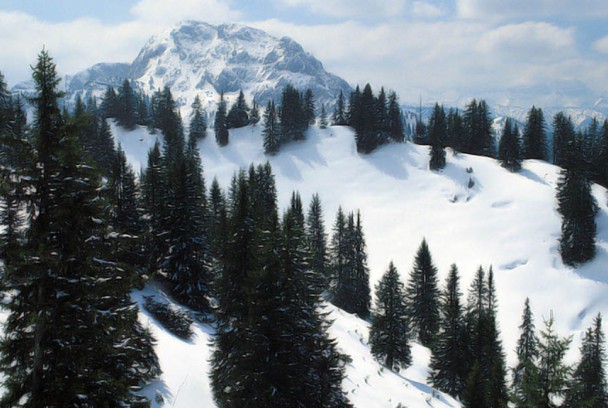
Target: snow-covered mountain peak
(198,58)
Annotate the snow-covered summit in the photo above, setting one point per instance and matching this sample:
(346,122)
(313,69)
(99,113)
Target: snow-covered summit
(195,58)
(198,58)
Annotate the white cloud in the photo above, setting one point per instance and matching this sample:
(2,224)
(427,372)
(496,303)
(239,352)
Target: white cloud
(445,59)
(350,8)
(531,9)
(529,41)
(426,10)
(74,45)
(601,45)
(170,12)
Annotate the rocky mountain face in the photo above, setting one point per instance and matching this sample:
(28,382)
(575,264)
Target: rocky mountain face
(195,58)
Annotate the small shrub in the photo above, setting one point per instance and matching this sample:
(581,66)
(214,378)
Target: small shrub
(471,183)
(176,321)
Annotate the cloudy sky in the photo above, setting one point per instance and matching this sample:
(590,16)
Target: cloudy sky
(440,49)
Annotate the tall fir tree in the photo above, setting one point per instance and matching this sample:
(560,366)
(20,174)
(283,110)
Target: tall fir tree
(525,373)
(423,296)
(220,127)
(486,360)
(389,332)
(553,373)
(126,112)
(395,122)
(323,117)
(72,337)
(271,133)
(563,140)
(535,135)
(478,129)
(361,296)
(508,148)
(437,137)
(448,359)
(309,107)
(198,120)
(588,387)
(254,115)
(238,116)
(317,241)
(338,117)
(578,208)
(455,131)
(339,259)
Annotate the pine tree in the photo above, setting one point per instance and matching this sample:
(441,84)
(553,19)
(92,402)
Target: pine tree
(218,220)
(153,189)
(221,130)
(309,107)
(455,131)
(437,136)
(198,121)
(525,373)
(364,114)
(104,150)
(339,115)
(126,211)
(553,374)
(563,140)
(254,115)
(423,296)
(271,131)
(534,137)
(361,297)
(578,208)
(508,148)
(478,129)
(238,116)
(72,337)
(126,113)
(292,115)
(485,352)
(601,158)
(448,358)
(317,241)
(323,117)
(187,262)
(109,105)
(395,123)
(588,386)
(388,334)
(339,259)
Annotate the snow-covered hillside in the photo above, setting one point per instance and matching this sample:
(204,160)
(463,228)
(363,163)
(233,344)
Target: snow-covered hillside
(505,220)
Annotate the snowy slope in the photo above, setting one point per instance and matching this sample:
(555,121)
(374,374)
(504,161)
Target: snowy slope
(505,220)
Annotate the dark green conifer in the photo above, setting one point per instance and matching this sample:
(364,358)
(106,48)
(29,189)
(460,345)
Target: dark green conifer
(578,208)
(437,132)
(72,337)
(448,358)
(220,127)
(525,373)
(534,136)
(389,332)
(508,148)
(271,132)
(588,386)
(198,121)
(423,296)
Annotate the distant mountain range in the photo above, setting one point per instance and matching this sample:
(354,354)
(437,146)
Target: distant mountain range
(196,58)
